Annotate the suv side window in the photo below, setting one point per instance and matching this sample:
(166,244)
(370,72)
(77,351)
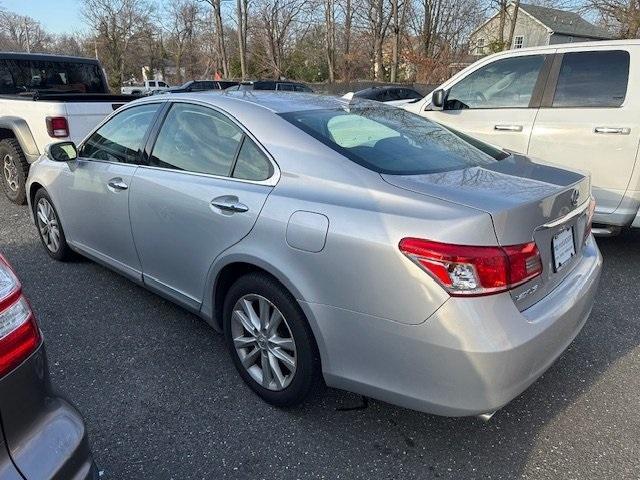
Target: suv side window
(592,79)
(196,139)
(506,83)
(121,138)
(252,164)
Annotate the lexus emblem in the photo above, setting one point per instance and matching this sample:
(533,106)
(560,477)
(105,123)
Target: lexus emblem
(574,198)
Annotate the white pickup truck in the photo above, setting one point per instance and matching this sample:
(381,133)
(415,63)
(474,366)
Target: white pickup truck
(44,99)
(576,105)
(148,87)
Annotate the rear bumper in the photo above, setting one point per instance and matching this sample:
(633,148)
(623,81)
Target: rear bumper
(472,356)
(45,435)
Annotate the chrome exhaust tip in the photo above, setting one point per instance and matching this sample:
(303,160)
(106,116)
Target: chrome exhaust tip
(605,230)
(485,417)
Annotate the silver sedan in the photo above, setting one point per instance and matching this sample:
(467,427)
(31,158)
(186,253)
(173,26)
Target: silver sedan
(334,241)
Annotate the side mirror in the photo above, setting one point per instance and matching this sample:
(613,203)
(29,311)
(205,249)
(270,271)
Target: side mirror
(438,99)
(62,151)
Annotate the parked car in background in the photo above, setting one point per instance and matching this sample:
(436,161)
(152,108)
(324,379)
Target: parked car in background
(202,86)
(392,95)
(43,436)
(574,105)
(45,98)
(148,87)
(343,239)
(278,85)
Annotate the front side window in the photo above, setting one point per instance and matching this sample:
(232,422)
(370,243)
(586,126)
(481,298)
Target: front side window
(592,79)
(121,138)
(196,139)
(389,140)
(506,83)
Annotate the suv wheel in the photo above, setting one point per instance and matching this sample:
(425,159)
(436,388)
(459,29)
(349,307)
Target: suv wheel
(49,227)
(270,341)
(14,170)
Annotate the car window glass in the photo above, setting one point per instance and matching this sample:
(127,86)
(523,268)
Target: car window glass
(389,140)
(285,87)
(507,83)
(196,139)
(121,138)
(252,164)
(592,79)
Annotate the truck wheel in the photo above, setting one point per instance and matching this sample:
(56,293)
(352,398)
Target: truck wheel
(14,170)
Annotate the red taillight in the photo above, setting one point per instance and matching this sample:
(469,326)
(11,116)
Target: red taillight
(465,270)
(57,127)
(19,334)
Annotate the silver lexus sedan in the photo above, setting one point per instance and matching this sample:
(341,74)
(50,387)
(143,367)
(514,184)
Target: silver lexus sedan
(334,240)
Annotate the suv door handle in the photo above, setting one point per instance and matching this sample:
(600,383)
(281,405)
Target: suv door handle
(508,128)
(613,130)
(117,184)
(229,203)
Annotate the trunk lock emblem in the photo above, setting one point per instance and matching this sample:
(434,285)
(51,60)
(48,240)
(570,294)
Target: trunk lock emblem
(574,198)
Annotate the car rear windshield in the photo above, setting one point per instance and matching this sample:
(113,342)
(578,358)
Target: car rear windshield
(391,140)
(18,76)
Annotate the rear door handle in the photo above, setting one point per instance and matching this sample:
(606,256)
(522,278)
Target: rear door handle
(508,128)
(117,184)
(229,203)
(613,130)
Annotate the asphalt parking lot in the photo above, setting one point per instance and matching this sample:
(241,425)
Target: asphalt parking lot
(162,400)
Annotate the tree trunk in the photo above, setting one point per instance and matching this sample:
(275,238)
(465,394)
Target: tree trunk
(330,38)
(242,36)
(347,39)
(512,27)
(395,60)
(222,49)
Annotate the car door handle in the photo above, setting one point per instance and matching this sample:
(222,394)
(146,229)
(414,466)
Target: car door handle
(229,203)
(117,184)
(508,128)
(613,130)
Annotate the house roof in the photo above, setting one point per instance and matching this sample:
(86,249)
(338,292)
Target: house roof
(565,23)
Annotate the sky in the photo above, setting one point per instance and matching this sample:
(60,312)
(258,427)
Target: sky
(56,16)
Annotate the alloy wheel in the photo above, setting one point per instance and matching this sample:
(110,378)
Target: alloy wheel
(10,172)
(263,341)
(48,225)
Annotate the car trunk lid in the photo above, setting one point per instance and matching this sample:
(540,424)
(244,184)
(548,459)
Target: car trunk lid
(526,201)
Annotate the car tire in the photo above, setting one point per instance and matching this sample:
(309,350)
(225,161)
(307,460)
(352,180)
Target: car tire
(49,227)
(291,341)
(14,170)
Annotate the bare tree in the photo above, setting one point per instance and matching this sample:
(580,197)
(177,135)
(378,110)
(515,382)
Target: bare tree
(216,5)
(512,26)
(118,24)
(330,37)
(242,11)
(22,33)
(398,14)
(183,30)
(619,16)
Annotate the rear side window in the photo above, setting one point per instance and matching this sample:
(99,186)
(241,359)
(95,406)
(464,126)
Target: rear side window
(196,139)
(252,164)
(592,79)
(389,140)
(506,83)
(121,138)
(18,76)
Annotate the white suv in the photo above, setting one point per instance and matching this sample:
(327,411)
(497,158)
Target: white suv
(574,105)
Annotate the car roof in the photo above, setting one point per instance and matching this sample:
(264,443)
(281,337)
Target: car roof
(45,57)
(274,101)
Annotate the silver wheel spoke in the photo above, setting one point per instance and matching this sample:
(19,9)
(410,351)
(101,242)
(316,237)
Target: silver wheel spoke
(267,374)
(244,342)
(274,321)
(242,319)
(247,307)
(263,307)
(277,372)
(285,358)
(286,343)
(251,358)
(42,216)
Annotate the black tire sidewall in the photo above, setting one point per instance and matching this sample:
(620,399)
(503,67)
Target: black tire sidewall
(307,362)
(64,251)
(9,146)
